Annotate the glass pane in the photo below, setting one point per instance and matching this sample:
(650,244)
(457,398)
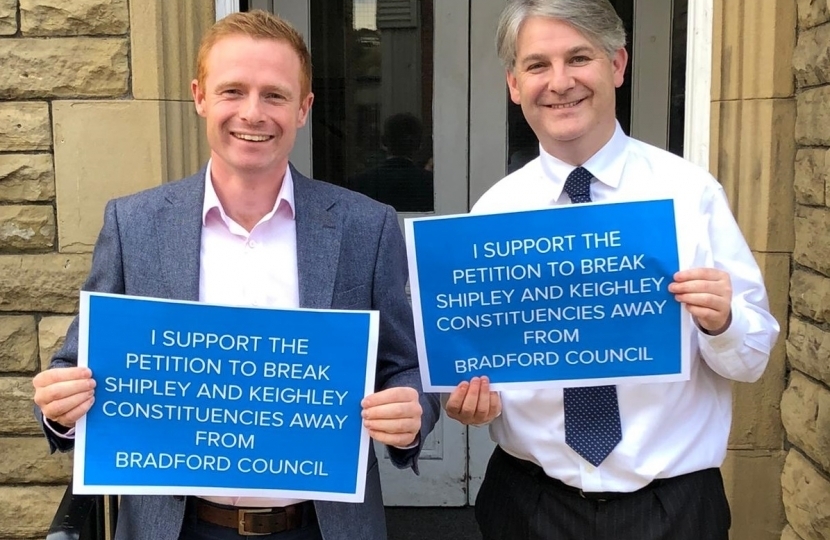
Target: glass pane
(677,104)
(372,116)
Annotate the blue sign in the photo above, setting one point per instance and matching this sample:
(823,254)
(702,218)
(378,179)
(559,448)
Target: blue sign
(196,399)
(567,296)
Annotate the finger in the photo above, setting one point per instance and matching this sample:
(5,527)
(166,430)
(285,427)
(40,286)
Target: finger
(407,425)
(61,390)
(717,288)
(495,406)
(705,274)
(399,394)
(71,418)
(67,412)
(56,375)
(61,407)
(704,300)
(456,399)
(709,320)
(401,440)
(393,410)
(474,395)
(484,404)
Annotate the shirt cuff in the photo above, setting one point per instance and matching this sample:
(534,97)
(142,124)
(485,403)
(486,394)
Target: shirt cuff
(730,339)
(411,446)
(60,431)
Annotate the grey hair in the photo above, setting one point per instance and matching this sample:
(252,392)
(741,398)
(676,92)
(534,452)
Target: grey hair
(595,19)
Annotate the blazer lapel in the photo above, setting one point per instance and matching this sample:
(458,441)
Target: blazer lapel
(179,233)
(318,242)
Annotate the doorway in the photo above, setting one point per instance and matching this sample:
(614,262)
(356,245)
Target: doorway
(419,80)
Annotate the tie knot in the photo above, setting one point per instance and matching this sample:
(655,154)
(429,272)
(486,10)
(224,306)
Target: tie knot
(578,185)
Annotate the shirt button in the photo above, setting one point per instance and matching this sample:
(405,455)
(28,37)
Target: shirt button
(252,244)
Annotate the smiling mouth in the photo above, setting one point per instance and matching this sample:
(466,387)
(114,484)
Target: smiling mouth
(571,105)
(252,138)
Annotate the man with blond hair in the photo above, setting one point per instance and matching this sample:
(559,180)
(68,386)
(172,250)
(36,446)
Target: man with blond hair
(249,229)
(626,461)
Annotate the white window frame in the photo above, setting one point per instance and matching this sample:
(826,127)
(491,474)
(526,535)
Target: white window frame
(225,8)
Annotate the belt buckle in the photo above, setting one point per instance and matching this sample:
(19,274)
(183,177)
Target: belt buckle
(241,523)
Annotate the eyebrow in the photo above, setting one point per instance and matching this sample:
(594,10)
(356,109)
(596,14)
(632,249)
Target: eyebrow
(236,84)
(573,51)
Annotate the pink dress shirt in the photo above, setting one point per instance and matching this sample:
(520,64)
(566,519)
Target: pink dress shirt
(256,268)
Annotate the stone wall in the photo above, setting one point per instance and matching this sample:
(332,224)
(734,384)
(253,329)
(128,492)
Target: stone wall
(94,103)
(805,406)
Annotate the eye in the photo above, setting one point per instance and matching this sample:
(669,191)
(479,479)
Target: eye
(578,60)
(535,67)
(231,92)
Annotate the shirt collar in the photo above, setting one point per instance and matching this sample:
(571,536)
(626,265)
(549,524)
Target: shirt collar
(606,165)
(212,203)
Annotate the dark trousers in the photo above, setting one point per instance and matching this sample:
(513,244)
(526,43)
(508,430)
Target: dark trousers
(195,529)
(517,501)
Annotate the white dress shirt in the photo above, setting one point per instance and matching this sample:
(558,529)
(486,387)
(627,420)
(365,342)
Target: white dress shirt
(668,429)
(257,268)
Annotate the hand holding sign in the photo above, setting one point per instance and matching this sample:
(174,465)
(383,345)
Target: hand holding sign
(473,403)
(64,394)
(393,416)
(707,294)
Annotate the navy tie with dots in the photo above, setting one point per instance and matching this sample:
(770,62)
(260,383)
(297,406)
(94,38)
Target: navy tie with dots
(592,414)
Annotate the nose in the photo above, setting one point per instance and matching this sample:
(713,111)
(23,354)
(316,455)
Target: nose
(561,80)
(251,109)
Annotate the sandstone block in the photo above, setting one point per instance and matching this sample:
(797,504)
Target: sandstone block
(812,125)
(63,67)
(806,497)
(78,17)
(8,17)
(808,348)
(26,178)
(24,126)
(753,160)
(811,58)
(752,480)
(812,176)
(27,460)
(103,164)
(164,39)
(26,512)
(18,344)
(789,534)
(810,295)
(812,243)
(27,228)
(51,334)
(813,12)
(49,282)
(805,411)
(16,417)
(753,47)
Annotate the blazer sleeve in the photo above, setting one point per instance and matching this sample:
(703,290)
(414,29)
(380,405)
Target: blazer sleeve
(397,353)
(106,275)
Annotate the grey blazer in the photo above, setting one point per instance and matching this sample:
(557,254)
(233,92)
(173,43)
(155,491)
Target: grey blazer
(350,254)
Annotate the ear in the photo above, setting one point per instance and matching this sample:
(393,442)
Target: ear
(618,63)
(198,97)
(305,107)
(513,86)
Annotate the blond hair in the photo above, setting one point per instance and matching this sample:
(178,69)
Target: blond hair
(256,24)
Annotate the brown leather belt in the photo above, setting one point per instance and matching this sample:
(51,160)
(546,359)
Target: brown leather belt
(256,521)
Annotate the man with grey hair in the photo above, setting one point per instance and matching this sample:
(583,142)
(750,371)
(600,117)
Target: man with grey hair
(633,461)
